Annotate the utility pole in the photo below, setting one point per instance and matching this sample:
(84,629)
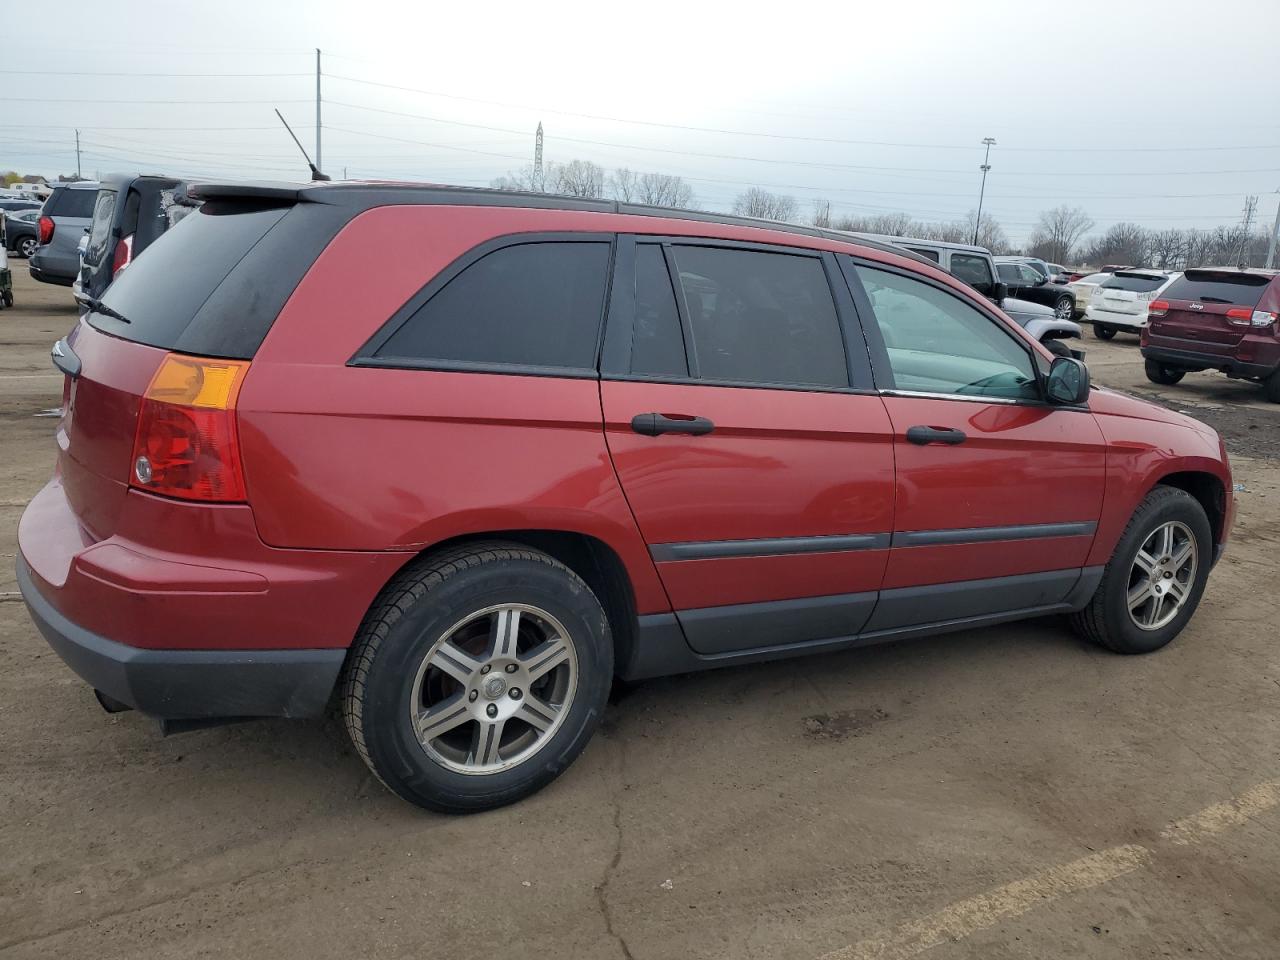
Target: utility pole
(538,183)
(1246,225)
(986,165)
(1275,229)
(319,165)
(77,154)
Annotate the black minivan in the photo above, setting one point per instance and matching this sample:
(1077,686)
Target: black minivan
(131,212)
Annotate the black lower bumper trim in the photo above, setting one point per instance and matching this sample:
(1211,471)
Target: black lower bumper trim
(1193,360)
(189,684)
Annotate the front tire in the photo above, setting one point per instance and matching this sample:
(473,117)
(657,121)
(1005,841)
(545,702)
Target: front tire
(477,677)
(1272,387)
(1056,347)
(25,247)
(1153,582)
(1103,332)
(1165,376)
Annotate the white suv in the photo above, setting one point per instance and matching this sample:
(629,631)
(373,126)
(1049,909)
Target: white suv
(1121,301)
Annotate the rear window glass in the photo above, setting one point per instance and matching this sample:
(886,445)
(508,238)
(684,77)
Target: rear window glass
(167,284)
(73,203)
(532,304)
(100,228)
(1135,283)
(974,271)
(1243,291)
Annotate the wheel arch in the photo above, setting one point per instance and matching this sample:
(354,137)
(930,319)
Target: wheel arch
(1209,491)
(592,559)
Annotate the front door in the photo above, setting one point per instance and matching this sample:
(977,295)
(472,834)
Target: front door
(753,451)
(998,492)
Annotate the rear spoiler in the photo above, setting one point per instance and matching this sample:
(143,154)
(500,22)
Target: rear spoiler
(249,190)
(1246,277)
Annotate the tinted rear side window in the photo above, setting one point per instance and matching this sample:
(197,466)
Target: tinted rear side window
(761,317)
(974,271)
(927,254)
(162,291)
(531,304)
(73,203)
(1243,291)
(100,228)
(1135,283)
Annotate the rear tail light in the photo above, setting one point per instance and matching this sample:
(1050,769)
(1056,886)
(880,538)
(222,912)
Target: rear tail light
(1240,315)
(45,228)
(123,255)
(1158,308)
(187,445)
(1263,318)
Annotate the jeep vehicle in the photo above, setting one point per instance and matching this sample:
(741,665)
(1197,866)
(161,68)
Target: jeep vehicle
(1216,318)
(556,441)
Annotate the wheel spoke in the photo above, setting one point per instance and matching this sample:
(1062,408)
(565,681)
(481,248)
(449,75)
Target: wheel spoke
(1178,590)
(1144,561)
(1138,594)
(1182,555)
(1153,612)
(442,718)
(537,713)
(504,632)
(485,743)
(546,657)
(453,660)
(1165,535)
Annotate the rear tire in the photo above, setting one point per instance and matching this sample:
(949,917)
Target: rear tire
(1056,347)
(1165,376)
(1272,385)
(1127,614)
(25,247)
(477,676)
(1103,332)
(1063,308)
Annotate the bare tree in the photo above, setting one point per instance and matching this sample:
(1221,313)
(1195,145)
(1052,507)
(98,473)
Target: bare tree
(664,190)
(755,202)
(517,180)
(577,178)
(1058,231)
(624,185)
(1123,243)
(1167,248)
(822,214)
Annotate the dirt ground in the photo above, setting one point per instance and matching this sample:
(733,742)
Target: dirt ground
(1007,792)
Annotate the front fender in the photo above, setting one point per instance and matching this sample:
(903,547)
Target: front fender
(1051,328)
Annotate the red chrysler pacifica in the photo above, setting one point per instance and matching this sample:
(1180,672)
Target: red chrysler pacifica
(461,457)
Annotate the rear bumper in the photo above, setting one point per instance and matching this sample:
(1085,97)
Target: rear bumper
(189,684)
(1196,360)
(49,270)
(1108,318)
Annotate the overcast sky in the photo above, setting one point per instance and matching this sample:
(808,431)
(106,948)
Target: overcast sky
(1163,113)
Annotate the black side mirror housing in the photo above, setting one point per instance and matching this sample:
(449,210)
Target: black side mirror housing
(1041,281)
(1068,382)
(1000,291)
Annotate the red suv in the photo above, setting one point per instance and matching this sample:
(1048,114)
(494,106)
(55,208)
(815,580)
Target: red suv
(555,441)
(1217,318)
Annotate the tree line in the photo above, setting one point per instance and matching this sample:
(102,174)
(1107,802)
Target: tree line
(1061,235)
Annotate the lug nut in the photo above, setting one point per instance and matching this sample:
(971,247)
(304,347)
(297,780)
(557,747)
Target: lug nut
(472,695)
(511,668)
(485,669)
(491,710)
(515,693)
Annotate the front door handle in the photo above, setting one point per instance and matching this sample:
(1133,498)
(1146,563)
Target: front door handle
(653,424)
(926,435)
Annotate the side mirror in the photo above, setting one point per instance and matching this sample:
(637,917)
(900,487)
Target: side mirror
(1041,281)
(1068,381)
(999,292)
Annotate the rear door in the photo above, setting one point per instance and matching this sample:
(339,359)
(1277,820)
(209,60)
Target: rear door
(1199,302)
(998,493)
(752,449)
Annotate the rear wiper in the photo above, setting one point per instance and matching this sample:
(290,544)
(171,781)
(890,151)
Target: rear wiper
(97,306)
(1214,300)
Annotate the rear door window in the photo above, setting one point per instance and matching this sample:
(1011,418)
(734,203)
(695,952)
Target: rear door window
(975,271)
(100,228)
(1244,290)
(529,304)
(927,254)
(761,317)
(657,344)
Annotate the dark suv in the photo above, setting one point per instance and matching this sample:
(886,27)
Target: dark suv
(1216,318)
(63,220)
(130,213)
(556,441)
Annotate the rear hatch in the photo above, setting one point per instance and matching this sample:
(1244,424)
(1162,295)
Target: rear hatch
(1199,303)
(1127,293)
(210,288)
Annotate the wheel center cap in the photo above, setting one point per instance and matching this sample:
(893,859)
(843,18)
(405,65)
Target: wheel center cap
(495,687)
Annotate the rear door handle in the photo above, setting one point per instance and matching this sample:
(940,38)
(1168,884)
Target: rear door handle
(65,359)
(927,435)
(653,424)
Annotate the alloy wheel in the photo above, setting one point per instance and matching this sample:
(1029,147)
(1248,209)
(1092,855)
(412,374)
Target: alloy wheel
(26,247)
(1162,575)
(494,689)
(1063,310)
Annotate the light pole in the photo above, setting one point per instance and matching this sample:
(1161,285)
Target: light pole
(1275,231)
(986,165)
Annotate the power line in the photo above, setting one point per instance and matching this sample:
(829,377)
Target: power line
(114,73)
